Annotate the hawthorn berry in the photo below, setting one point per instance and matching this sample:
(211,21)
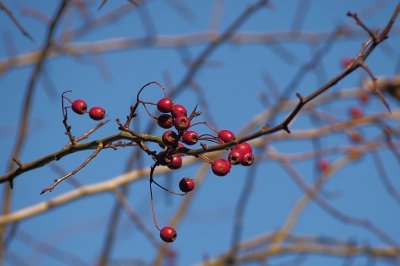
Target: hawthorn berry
(165,105)
(236,156)
(221,167)
(182,123)
(178,110)
(190,137)
(248,159)
(324,165)
(97,113)
(168,234)
(165,121)
(169,137)
(186,184)
(79,107)
(175,163)
(244,146)
(347,61)
(356,112)
(226,136)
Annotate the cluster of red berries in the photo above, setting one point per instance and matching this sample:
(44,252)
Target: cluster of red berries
(179,135)
(80,107)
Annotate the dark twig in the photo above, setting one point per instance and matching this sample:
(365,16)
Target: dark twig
(15,21)
(59,180)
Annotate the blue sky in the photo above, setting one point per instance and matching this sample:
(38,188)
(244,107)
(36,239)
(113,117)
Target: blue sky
(232,82)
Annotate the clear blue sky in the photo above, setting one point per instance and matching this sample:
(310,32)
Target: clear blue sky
(232,83)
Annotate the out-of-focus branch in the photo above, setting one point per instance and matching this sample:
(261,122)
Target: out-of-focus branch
(15,21)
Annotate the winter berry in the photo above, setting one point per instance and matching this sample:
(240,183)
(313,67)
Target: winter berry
(182,123)
(186,184)
(347,61)
(324,165)
(356,112)
(168,234)
(190,137)
(165,121)
(169,137)
(97,113)
(165,105)
(244,146)
(236,156)
(178,110)
(248,159)
(79,107)
(221,167)
(175,163)
(226,136)
(364,97)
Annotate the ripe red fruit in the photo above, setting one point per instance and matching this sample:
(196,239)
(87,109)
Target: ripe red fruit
(165,105)
(347,61)
(79,107)
(248,159)
(324,165)
(221,167)
(236,156)
(182,123)
(226,136)
(244,146)
(186,184)
(165,121)
(356,112)
(178,110)
(175,163)
(97,113)
(190,137)
(169,137)
(168,234)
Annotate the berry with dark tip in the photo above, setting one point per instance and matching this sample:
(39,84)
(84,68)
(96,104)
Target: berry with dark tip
(248,159)
(169,137)
(79,107)
(186,184)
(168,234)
(226,136)
(190,137)
(182,123)
(97,113)
(178,110)
(221,167)
(165,121)
(165,105)
(236,156)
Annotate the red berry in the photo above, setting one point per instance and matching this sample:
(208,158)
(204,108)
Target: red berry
(182,123)
(190,137)
(226,136)
(169,137)
(175,163)
(356,112)
(165,121)
(97,113)
(165,105)
(79,107)
(178,110)
(324,165)
(244,146)
(347,61)
(248,159)
(236,156)
(168,234)
(364,97)
(186,184)
(221,167)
